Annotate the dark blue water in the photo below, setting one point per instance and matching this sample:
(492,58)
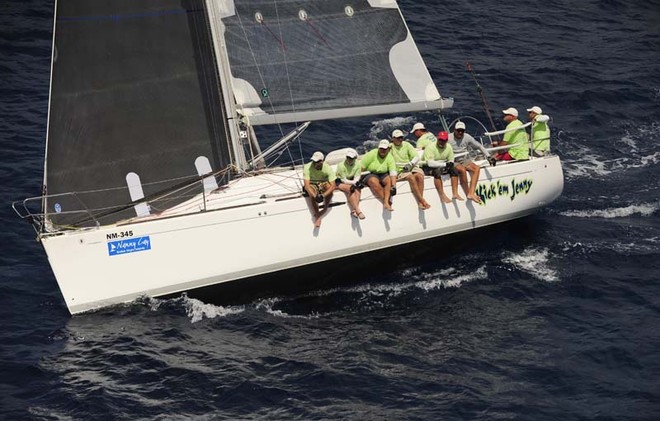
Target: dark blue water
(552,317)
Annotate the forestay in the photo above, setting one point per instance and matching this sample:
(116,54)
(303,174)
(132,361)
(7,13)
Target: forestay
(298,60)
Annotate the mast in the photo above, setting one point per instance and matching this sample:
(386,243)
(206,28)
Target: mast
(216,12)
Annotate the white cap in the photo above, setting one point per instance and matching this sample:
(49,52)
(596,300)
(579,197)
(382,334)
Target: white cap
(511,111)
(418,126)
(535,109)
(351,153)
(384,144)
(397,133)
(460,125)
(317,156)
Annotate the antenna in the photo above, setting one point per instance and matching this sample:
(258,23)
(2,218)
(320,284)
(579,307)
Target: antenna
(482,95)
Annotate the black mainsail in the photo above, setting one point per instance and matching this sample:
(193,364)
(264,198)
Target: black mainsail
(134,89)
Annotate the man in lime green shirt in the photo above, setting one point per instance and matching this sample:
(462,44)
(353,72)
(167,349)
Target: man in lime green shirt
(319,183)
(406,158)
(424,137)
(382,172)
(439,158)
(516,136)
(348,181)
(540,131)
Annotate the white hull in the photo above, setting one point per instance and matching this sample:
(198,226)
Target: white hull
(247,235)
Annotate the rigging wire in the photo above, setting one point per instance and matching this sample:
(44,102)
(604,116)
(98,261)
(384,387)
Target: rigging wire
(288,81)
(280,40)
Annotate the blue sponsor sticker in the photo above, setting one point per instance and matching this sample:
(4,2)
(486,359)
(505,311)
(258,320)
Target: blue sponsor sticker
(129,245)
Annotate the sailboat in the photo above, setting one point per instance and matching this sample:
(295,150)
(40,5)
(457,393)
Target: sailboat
(154,180)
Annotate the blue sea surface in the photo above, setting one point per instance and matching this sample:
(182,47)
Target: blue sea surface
(555,316)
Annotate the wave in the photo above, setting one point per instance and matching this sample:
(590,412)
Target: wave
(535,262)
(369,294)
(449,278)
(645,209)
(195,309)
(381,129)
(444,278)
(587,165)
(269,303)
(639,151)
(642,246)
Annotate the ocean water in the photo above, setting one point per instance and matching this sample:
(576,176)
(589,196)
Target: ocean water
(551,317)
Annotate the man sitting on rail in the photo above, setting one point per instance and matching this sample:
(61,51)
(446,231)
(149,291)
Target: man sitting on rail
(382,173)
(319,183)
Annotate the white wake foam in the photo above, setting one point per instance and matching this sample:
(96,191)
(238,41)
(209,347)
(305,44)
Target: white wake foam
(588,165)
(645,209)
(198,310)
(535,262)
(445,278)
(382,129)
(649,160)
(268,303)
(629,140)
(639,152)
(370,294)
(449,278)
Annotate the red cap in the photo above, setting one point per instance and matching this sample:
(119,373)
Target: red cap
(443,136)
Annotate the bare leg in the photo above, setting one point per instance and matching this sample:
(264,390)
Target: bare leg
(474,174)
(346,188)
(438,186)
(376,188)
(454,188)
(417,189)
(419,179)
(386,194)
(462,177)
(354,200)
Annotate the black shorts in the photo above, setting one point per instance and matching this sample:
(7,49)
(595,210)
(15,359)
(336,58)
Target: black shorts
(439,172)
(380,177)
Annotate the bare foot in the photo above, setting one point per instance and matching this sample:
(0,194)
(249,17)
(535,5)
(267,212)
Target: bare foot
(457,197)
(474,198)
(317,222)
(388,208)
(445,199)
(424,205)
